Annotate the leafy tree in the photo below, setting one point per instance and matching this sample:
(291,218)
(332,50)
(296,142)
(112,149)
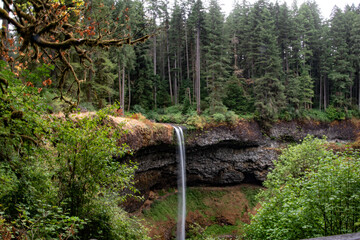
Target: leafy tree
(311,192)
(57,179)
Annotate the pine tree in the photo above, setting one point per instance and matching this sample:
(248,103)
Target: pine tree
(342,72)
(325,64)
(103,85)
(265,56)
(176,48)
(196,21)
(355,39)
(215,57)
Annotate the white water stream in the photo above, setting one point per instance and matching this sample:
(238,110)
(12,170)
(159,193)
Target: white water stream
(180,232)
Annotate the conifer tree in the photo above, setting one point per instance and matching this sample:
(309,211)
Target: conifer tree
(267,71)
(196,21)
(215,56)
(355,39)
(176,48)
(342,71)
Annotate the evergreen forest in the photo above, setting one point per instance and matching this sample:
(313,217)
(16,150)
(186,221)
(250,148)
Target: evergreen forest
(267,60)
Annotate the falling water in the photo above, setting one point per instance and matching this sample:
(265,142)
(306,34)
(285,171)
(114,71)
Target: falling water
(180,233)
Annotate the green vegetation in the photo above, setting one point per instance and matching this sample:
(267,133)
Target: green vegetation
(250,194)
(195,200)
(58,176)
(265,60)
(215,212)
(218,230)
(311,192)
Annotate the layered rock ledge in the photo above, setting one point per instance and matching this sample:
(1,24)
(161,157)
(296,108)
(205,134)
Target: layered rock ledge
(223,154)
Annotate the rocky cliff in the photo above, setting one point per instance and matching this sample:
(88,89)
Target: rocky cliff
(224,154)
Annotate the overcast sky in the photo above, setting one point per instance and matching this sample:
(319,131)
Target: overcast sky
(325,6)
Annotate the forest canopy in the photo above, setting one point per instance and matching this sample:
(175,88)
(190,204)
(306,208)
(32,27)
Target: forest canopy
(265,59)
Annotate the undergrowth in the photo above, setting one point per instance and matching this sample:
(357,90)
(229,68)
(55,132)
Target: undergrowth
(250,194)
(207,210)
(167,209)
(179,115)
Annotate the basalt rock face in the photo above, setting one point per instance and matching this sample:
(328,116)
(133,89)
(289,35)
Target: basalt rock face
(228,155)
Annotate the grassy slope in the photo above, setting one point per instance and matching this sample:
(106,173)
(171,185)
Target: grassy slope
(213,211)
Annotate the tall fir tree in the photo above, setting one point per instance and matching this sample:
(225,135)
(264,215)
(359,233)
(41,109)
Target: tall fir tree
(265,57)
(216,57)
(196,23)
(342,71)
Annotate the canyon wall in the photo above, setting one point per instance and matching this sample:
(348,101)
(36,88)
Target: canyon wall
(225,154)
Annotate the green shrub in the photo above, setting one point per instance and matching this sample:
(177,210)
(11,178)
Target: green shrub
(87,106)
(44,221)
(218,117)
(138,109)
(249,116)
(317,115)
(81,144)
(286,115)
(105,220)
(172,118)
(56,176)
(174,109)
(296,160)
(54,106)
(152,115)
(335,113)
(197,121)
(231,117)
(311,193)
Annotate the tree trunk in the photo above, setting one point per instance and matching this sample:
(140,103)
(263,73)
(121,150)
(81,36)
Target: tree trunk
(169,68)
(321,93)
(351,90)
(187,55)
(180,72)
(155,82)
(235,42)
(123,89)
(175,83)
(119,79)
(129,87)
(88,86)
(359,90)
(325,94)
(197,80)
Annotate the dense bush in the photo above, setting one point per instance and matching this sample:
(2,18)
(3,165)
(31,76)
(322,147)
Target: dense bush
(218,117)
(58,176)
(335,114)
(312,192)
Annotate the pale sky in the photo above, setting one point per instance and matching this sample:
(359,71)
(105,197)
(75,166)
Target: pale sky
(325,6)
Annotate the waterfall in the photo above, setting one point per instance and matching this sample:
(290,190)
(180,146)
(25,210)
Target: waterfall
(180,232)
